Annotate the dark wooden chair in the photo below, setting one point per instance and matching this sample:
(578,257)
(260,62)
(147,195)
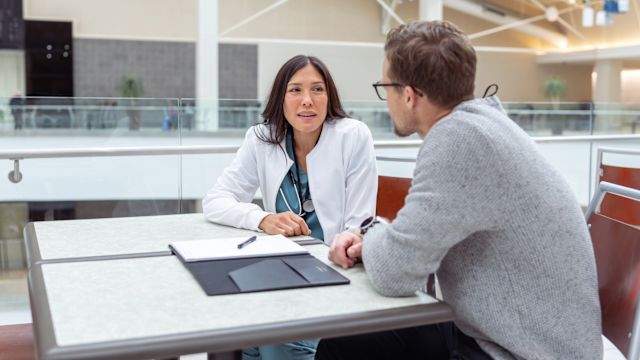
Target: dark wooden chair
(16,342)
(616,247)
(391,194)
(618,207)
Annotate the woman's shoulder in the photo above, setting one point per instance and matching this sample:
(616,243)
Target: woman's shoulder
(257,132)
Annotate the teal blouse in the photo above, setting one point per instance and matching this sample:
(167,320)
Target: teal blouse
(289,192)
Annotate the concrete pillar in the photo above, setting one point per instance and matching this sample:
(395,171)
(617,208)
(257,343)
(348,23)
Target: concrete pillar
(608,87)
(207,66)
(430,10)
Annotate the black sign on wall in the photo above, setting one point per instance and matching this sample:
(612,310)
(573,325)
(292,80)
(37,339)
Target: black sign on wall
(49,58)
(11,24)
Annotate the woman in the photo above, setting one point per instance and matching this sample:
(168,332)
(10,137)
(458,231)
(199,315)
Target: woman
(314,166)
(305,151)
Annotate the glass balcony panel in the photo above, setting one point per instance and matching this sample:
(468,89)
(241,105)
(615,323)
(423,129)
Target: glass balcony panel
(86,187)
(616,119)
(552,119)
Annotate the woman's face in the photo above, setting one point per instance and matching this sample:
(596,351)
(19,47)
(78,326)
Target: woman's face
(305,102)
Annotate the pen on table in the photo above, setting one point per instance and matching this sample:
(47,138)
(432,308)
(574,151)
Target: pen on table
(247,242)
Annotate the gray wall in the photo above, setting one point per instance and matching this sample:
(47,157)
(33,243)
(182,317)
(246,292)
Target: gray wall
(238,71)
(167,69)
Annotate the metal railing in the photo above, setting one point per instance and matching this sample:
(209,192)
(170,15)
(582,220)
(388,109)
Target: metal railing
(16,155)
(547,139)
(606,187)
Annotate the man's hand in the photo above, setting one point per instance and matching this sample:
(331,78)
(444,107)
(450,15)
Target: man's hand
(346,249)
(286,223)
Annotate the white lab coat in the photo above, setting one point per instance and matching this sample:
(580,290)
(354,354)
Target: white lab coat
(341,170)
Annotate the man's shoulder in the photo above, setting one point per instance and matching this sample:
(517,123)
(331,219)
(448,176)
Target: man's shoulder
(458,130)
(463,142)
(471,120)
(476,125)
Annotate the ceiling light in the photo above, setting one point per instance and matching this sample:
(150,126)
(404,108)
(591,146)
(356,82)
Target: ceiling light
(604,18)
(551,14)
(623,6)
(587,17)
(562,44)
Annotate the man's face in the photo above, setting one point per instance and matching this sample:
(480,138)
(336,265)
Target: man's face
(395,104)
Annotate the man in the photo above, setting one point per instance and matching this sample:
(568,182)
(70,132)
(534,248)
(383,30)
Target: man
(486,212)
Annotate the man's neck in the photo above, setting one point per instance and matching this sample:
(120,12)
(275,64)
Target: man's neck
(429,117)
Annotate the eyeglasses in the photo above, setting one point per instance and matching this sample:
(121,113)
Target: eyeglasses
(381,90)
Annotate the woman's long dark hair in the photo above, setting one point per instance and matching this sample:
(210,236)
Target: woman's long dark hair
(273,113)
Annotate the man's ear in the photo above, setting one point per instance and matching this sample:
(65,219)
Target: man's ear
(410,97)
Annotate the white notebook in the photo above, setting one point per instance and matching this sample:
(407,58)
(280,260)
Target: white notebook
(227,248)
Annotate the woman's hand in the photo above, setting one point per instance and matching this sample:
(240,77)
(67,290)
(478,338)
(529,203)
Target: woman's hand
(286,223)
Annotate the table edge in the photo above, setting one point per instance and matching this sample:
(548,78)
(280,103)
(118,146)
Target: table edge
(31,243)
(229,339)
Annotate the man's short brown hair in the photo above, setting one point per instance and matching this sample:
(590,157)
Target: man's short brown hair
(434,57)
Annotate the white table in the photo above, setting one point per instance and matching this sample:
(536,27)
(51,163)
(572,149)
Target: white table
(150,306)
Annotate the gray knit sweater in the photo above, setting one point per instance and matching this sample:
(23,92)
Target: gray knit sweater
(505,235)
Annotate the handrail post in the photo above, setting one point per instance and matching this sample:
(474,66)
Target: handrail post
(15,176)
(598,169)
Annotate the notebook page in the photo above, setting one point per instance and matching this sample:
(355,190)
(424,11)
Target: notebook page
(227,248)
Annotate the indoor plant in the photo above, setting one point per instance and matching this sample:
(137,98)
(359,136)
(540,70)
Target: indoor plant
(132,88)
(554,89)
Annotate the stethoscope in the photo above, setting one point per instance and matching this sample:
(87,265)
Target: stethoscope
(305,207)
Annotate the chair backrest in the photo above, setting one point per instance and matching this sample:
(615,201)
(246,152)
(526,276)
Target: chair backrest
(617,252)
(391,194)
(618,207)
(16,342)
